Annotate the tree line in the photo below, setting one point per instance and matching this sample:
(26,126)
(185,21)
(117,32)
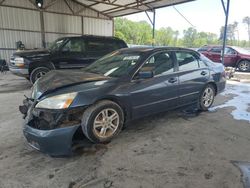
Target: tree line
(141,33)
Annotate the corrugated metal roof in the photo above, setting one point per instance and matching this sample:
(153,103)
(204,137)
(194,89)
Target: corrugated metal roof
(115,8)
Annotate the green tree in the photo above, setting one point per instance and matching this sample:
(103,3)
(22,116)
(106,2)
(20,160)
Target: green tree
(189,37)
(133,32)
(166,37)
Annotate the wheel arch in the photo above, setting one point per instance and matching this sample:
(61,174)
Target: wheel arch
(35,65)
(244,59)
(121,103)
(214,85)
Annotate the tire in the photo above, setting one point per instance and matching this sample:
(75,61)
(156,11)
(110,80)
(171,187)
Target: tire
(206,98)
(37,73)
(244,66)
(97,124)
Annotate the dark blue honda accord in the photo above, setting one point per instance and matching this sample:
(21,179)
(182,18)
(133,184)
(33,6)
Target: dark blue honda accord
(124,85)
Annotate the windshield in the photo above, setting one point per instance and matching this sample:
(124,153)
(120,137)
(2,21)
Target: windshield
(54,46)
(241,50)
(115,64)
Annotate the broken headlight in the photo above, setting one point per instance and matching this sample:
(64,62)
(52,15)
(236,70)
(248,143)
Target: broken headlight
(57,102)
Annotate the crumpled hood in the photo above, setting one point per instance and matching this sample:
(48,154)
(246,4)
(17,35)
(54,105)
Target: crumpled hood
(32,54)
(57,79)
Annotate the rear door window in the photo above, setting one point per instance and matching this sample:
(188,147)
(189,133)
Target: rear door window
(216,50)
(186,61)
(95,45)
(160,63)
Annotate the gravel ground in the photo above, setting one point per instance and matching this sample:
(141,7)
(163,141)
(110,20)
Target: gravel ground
(167,150)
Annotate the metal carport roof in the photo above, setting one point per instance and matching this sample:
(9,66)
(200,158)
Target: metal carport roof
(115,8)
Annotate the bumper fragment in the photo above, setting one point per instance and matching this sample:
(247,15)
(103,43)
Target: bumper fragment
(19,71)
(56,142)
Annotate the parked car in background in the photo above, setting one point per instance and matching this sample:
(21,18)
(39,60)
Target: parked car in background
(234,56)
(64,53)
(122,86)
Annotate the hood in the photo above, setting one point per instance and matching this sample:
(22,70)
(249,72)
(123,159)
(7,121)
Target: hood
(57,79)
(32,54)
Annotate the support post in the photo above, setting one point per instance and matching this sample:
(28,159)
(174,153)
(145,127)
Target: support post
(153,24)
(153,43)
(225,29)
(42,29)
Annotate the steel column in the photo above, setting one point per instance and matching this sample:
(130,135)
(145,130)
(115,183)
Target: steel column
(42,29)
(153,43)
(226,10)
(153,24)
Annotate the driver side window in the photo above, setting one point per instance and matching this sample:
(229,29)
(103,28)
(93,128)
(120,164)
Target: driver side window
(74,45)
(161,63)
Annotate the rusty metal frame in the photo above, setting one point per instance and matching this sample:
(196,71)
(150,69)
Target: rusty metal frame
(134,5)
(145,4)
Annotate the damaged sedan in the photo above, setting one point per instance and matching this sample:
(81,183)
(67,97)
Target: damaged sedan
(122,86)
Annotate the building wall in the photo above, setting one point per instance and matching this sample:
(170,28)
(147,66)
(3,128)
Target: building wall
(20,20)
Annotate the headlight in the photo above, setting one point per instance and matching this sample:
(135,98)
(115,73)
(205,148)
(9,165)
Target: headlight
(19,61)
(57,102)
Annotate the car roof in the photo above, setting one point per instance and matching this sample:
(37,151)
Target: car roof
(154,49)
(215,46)
(94,37)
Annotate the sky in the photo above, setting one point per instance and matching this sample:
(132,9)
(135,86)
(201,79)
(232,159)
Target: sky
(205,15)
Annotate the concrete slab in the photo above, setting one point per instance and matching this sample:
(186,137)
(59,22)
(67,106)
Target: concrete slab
(165,150)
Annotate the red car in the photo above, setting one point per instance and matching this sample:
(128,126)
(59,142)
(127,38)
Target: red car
(234,56)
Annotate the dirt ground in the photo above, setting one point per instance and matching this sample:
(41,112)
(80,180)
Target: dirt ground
(167,150)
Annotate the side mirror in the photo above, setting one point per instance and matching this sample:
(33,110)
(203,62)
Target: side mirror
(145,74)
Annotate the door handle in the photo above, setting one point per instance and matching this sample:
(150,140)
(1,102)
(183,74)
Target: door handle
(203,73)
(172,80)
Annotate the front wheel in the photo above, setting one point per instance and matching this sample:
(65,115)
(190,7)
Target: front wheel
(102,121)
(38,73)
(206,98)
(244,65)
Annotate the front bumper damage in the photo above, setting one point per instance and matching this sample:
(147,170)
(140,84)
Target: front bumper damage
(57,142)
(50,131)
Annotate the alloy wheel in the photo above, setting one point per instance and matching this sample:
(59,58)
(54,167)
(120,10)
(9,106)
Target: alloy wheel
(40,74)
(106,123)
(244,65)
(208,97)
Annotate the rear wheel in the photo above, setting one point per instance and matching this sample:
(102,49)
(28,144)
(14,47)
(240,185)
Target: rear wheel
(207,97)
(244,65)
(102,121)
(38,73)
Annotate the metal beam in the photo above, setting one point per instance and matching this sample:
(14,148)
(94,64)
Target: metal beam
(153,25)
(145,4)
(67,3)
(42,29)
(225,29)
(1,2)
(33,3)
(118,5)
(126,6)
(86,6)
(50,4)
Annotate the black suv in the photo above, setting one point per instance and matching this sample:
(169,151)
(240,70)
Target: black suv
(64,53)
